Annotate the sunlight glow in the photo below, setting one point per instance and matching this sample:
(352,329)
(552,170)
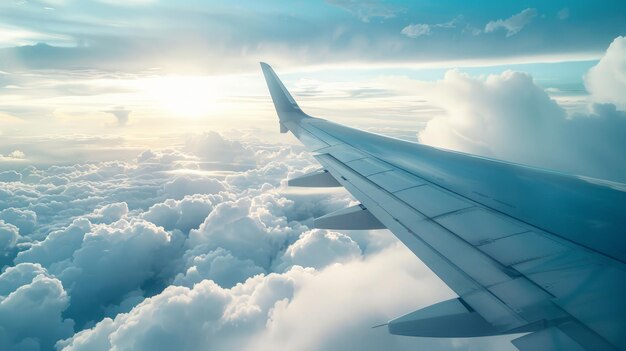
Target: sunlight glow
(184,96)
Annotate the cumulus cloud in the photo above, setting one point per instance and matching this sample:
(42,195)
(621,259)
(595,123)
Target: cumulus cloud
(109,213)
(185,214)
(203,317)
(513,24)
(17,154)
(266,312)
(58,246)
(133,257)
(13,157)
(125,256)
(509,117)
(10,176)
(31,307)
(188,185)
(25,220)
(219,266)
(606,81)
(9,236)
(249,228)
(319,248)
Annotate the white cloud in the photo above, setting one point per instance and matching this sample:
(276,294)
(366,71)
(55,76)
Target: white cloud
(250,228)
(606,81)
(344,301)
(10,176)
(365,10)
(188,185)
(204,317)
(13,156)
(319,248)
(58,246)
(416,30)
(293,310)
(17,154)
(219,266)
(509,117)
(31,303)
(137,250)
(185,214)
(25,220)
(513,24)
(420,29)
(195,272)
(109,213)
(563,13)
(9,234)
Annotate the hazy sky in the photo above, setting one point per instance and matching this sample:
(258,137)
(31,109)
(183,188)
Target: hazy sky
(72,66)
(143,197)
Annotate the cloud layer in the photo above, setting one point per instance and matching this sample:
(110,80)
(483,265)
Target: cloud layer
(113,255)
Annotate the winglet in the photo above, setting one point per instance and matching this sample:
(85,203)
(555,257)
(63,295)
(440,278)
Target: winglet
(286,107)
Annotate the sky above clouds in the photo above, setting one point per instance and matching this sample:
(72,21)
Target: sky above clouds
(143,197)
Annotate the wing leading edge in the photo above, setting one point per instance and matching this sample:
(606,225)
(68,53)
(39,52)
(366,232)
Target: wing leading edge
(526,250)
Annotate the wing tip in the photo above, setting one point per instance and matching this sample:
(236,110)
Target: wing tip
(265,66)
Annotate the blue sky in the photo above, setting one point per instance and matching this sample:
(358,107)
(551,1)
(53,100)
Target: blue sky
(143,197)
(301,33)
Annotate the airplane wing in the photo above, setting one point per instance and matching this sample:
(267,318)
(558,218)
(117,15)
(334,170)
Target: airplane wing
(526,250)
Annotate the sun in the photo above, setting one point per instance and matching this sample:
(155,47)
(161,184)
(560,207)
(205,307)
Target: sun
(184,96)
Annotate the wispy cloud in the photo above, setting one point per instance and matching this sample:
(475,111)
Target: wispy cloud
(121,115)
(16,36)
(367,9)
(513,24)
(416,30)
(420,29)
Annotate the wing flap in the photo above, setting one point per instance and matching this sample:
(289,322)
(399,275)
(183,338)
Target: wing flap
(368,166)
(549,339)
(431,201)
(522,247)
(395,180)
(479,226)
